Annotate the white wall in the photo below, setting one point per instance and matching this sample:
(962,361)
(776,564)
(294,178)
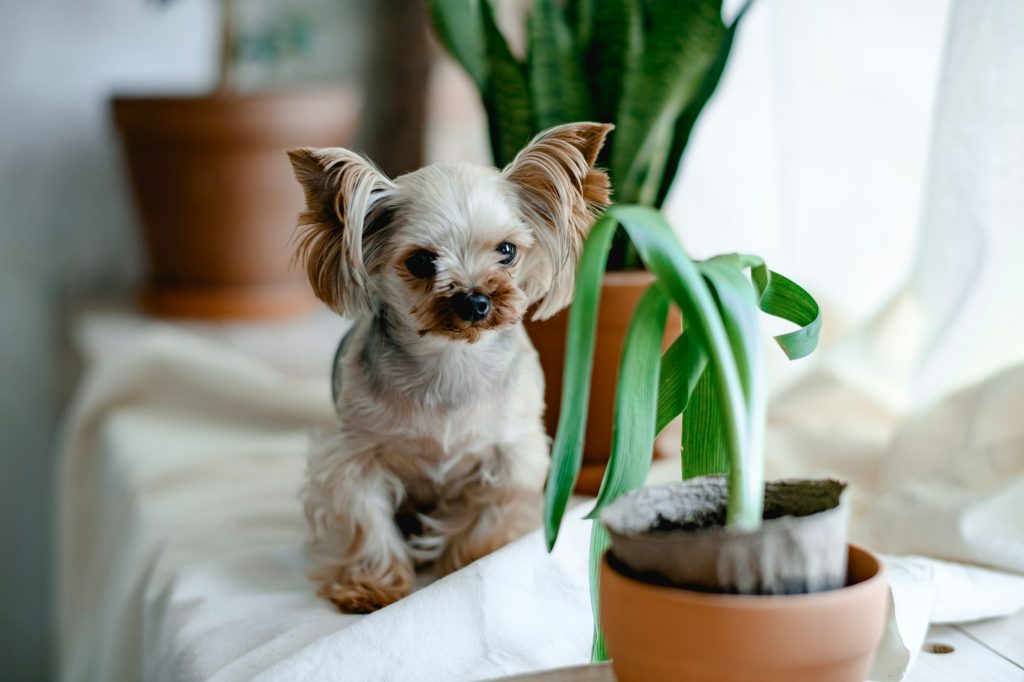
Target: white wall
(67,228)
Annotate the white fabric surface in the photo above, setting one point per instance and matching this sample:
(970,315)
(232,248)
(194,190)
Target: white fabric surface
(180,552)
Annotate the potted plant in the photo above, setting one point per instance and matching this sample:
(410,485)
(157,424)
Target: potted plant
(214,193)
(647,67)
(719,576)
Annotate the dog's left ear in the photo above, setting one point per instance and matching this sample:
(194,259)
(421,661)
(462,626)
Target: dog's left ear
(562,194)
(344,210)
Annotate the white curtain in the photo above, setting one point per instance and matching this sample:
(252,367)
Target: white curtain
(874,151)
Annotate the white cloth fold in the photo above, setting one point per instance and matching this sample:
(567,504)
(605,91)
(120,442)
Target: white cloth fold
(181,534)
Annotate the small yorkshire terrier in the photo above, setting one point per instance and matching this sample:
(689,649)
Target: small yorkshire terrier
(440,453)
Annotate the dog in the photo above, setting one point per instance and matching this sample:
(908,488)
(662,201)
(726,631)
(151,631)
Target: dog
(440,453)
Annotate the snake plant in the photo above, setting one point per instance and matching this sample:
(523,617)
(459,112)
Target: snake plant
(648,66)
(712,373)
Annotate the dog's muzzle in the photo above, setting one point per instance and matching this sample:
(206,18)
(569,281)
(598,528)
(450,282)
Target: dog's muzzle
(472,307)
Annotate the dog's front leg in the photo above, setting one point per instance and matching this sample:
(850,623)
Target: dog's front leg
(359,560)
(502,505)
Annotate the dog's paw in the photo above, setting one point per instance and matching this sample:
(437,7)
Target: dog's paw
(365,596)
(464,551)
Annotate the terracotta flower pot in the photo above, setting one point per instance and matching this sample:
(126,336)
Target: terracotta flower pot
(655,633)
(620,294)
(216,196)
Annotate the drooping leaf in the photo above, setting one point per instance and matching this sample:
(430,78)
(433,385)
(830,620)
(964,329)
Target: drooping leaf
(686,121)
(555,69)
(636,400)
(781,297)
(678,278)
(681,42)
(459,28)
(506,97)
(737,302)
(681,366)
(567,449)
(784,298)
(704,451)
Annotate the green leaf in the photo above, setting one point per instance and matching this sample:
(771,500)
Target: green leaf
(636,399)
(613,43)
(704,448)
(784,298)
(680,279)
(458,27)
(781,297)
(681,366)
(505,96)
(684,124)
(681,43)
(567,449)
(580,15)
(555,70)
(737,302)
(599,543)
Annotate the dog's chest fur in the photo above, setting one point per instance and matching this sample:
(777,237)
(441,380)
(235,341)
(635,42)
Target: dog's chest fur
(437,412)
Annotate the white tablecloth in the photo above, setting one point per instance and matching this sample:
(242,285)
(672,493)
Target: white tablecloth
(180,549)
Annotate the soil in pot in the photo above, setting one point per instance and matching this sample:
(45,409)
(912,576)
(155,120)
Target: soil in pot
(682,598)
(620,294)
(674,534)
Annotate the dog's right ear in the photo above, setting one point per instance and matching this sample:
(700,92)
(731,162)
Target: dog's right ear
(344,192)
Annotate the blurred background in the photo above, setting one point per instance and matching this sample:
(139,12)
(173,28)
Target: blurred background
(817,152)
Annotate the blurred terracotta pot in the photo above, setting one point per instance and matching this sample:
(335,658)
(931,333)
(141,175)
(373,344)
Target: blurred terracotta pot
(620,294)
(217,199)
(655,633)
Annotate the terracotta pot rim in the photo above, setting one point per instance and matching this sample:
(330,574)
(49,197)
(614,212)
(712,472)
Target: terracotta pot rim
(766,602)
(213,98)
(626,278)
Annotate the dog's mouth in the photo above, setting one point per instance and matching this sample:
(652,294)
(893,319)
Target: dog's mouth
(466,316)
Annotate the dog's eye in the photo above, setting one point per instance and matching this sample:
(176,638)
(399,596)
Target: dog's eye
(508,250)
(421,264)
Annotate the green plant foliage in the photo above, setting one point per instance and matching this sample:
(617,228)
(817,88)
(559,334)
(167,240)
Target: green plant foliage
(506,96)
(648,66)
(636,401)
(557,85)
(712,373)
(459,28)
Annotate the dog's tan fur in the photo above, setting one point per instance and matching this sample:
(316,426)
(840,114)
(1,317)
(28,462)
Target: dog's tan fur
(439,418)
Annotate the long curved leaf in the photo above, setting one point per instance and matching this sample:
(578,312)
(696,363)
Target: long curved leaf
(737,302)
(681,367)
(505,96)
(704,450)
(684,124)
(567,450)
(680,279)
(555,70)
(458,27)
(781,297)
(784,298)
(681,42)
(612,40)
(636,400)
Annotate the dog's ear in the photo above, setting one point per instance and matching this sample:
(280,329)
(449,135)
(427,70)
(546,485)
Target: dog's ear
(344,193)
(562,194)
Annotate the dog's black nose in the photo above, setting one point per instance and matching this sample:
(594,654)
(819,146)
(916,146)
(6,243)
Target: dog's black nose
(472,308)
